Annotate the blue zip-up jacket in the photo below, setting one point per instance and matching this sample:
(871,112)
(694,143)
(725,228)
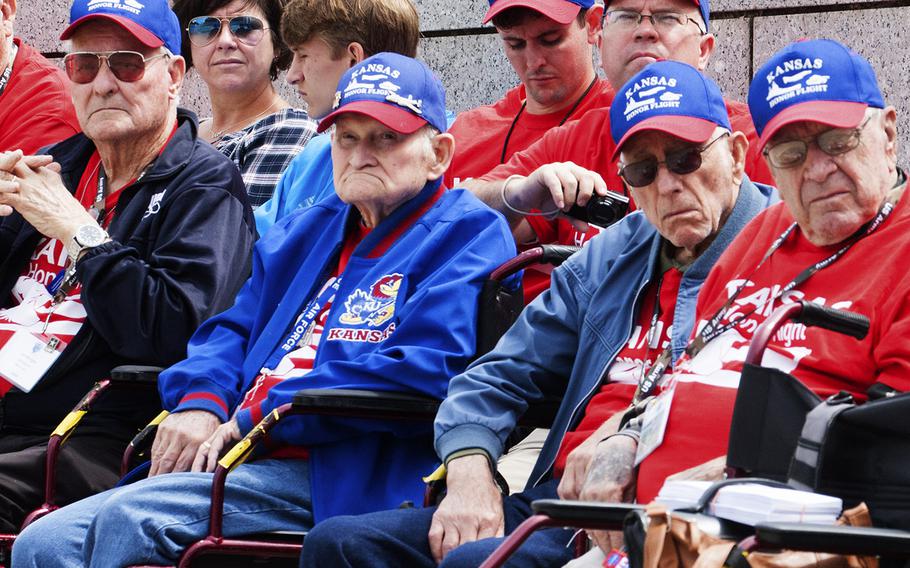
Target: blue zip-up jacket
(431,256)
(574,330)
(181,247)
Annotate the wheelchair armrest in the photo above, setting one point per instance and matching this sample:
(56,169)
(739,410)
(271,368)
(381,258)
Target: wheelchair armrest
(578,513)
(138,374)
(835,539)
(366,404)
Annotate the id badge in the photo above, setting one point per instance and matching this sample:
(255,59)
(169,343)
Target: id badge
(654,425)
(27,356)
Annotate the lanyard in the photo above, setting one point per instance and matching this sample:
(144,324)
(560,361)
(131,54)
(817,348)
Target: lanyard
(303,325)
(713,328)
(505,145)
(4,78)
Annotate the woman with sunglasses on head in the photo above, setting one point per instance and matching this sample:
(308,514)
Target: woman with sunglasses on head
(236,49)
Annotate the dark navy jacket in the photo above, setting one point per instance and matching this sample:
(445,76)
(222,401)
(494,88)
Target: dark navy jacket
(181,248)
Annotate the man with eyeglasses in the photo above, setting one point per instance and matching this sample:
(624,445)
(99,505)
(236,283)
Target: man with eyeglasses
(114,246)
(620,307)
(35,105)
(571,163)
(830,142)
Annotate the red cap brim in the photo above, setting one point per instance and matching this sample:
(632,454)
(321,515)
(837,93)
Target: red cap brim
(397,119)
(559,11)
(144,36)
(839,114)
(686,128)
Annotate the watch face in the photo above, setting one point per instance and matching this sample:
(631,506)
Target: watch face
(90,235)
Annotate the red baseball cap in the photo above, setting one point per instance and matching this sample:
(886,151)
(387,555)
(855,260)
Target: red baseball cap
(560,11)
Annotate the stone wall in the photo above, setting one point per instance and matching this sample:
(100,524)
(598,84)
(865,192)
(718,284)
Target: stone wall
(470,62)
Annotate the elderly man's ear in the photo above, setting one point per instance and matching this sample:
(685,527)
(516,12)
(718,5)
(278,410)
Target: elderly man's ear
(889,124)
(739,145)
(8,10)
(443,151)
(176,72)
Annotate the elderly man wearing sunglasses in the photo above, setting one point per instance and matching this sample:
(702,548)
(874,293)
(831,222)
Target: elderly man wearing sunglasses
(113,248)
(237,51)
(621,307)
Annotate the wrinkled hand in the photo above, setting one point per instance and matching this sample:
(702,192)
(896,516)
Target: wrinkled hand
(556,186)
(178,439)
(471,509)
(219,442)
(32,186)
(611,479)
(579,459)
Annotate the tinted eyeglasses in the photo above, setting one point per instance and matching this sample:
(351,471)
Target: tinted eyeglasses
(127,66)
(628,20)
(833,142)
(682,162)
(204,29)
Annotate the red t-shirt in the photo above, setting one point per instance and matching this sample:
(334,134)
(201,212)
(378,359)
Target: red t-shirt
(588,143)
(867,280)
(299,362)
(630,364)
(36,109)
(480,133)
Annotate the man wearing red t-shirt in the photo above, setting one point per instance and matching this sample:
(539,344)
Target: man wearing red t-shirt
(570,163)
(831,144)
(550,45)
(35,105)
(616,309)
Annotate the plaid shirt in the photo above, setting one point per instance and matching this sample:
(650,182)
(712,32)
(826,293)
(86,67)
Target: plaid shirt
(263,150)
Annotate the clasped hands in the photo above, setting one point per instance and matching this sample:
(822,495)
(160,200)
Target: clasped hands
(32,186)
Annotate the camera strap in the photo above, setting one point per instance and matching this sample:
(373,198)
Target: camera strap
(714,328)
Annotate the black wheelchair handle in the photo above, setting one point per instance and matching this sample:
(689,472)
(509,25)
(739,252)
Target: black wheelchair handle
(847,323)
(557,254)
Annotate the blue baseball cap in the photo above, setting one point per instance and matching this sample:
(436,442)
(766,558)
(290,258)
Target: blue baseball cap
(704,9)
(152,22)
(560,11)
(819,80)
(398,91)
(671,97)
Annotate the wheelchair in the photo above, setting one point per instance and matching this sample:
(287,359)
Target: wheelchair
(500,306)
(761,445)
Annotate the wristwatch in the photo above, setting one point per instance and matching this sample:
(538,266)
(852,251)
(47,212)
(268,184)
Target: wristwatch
(86,237)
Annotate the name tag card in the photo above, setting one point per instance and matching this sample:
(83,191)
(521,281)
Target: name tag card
(654,425)
(26,357)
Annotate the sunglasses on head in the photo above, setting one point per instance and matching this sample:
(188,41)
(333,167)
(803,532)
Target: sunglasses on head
(834,142)
(127,66)
(685,161)
(204,29)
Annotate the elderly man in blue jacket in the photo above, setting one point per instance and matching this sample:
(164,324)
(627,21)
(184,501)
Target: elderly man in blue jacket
(615,313)
(375,287)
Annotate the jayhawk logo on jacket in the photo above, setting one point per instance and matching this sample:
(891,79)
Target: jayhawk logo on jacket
(374,307)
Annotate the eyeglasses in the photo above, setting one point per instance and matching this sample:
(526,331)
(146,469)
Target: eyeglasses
(683,161)
(204,29)
(628,20)
(833,142)
(127,66)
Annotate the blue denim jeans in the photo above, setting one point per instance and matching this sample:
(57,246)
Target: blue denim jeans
(398,539)
(154,520)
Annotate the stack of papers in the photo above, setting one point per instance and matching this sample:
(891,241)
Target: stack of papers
(681,494)
(751,503)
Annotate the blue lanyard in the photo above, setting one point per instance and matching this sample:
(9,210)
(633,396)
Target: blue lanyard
(303,325)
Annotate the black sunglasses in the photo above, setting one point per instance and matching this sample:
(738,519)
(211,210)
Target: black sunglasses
(682,162)
(127,66)
(203,30)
